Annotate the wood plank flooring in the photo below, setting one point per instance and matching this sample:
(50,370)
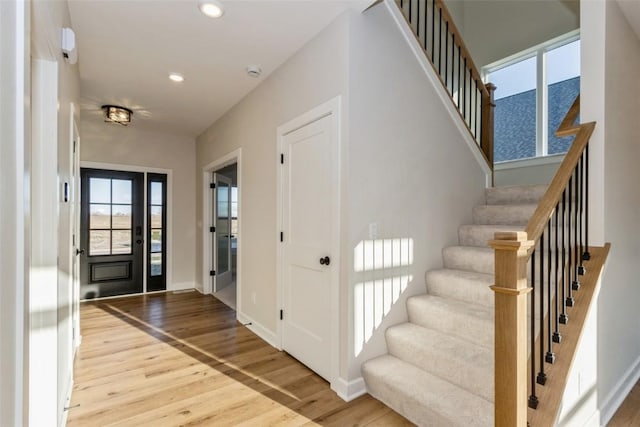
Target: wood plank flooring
(628,415)
(182,359)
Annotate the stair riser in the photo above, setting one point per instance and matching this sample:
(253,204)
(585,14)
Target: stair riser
(519,194)
(503,215)
(460,288)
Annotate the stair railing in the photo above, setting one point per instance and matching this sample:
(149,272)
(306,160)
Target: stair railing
(531,368)
(442,44)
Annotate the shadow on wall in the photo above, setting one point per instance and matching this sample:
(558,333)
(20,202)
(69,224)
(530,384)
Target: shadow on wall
(382,270)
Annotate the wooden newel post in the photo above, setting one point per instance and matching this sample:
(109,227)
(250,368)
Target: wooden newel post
(511,255)
(488,107)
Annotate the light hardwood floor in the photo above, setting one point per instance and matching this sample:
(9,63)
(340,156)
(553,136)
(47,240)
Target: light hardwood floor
(628,415)
(182,359)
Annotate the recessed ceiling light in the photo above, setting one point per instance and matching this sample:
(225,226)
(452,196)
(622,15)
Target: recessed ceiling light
(176,77)
(211,8)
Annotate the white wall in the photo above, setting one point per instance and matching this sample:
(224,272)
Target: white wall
(114,144)
(528,171)
(495,29)
(610,359)
(410,173)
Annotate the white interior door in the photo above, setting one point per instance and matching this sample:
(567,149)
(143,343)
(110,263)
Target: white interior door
(222,232)
(308,185)
(75,225)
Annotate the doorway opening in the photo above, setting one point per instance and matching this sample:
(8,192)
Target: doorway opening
(123,232)
(222,235)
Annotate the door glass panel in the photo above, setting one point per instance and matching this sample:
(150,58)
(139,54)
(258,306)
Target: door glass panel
(156,216)
(121,217)
(99,190)
(122,191)
(156,193)
(156,240)
(99,217)
(223,230)
(99,242)
(156,264)
(121,242)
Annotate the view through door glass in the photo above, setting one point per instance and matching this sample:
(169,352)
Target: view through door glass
(222,239)
(111,233)
(157,235)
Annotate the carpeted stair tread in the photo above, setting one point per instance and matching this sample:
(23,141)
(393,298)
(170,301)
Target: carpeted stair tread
(503,214)
(479,234)
(471,322)
(514,194)
(424,398)
(461,285)
(460,362)
(469,258)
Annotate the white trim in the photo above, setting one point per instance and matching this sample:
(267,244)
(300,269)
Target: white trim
(257,328)
(531,161)
(620,391)
(349,390)
(145,170)
(418,52)
(332,107)
(228,159)
(139,294)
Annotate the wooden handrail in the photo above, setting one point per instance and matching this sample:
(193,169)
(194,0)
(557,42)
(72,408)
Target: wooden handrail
(568,126)
(539,219)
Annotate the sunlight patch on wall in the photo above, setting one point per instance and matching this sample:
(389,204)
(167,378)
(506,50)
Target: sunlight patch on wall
(382,271)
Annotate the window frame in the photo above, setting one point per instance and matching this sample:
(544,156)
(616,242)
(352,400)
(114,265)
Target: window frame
(542,96)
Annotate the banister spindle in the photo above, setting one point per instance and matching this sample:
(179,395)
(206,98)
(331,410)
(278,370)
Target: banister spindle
(542,377)
(575,285)
(557,337)
(586,255)
(533,399)
(550,356)
(564,318)
(570,270)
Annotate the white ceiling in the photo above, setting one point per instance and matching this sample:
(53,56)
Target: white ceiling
(631,9)
(127,48)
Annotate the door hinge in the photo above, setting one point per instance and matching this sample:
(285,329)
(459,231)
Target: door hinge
(212,185)
(281,314)
(282,159)
(212,273)
(281,236)
(212,229)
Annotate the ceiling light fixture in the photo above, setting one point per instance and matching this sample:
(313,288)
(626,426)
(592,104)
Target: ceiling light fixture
(116,114)
(211,8)
(176,77)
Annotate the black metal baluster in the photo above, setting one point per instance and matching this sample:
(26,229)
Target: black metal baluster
(570,269)
(433,31)
(424,25)
(542,377)
(564,319)
(557,338)
(586,255)
(464,91)
(459,74)
(440,41)
(575,285)
(410,17)
(446,55)
(550,357)
(453,62)
(533,400)
(581,269)
(418,19)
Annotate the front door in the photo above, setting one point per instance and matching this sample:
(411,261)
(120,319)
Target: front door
(308,178)
(112,235)
(222,231)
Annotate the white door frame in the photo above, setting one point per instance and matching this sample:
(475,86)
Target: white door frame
(74,196)
(207,216)
(145,170)
(329,108)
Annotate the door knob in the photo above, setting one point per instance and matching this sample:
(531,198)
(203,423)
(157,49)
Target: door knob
(325,261)
(79,251)
(139,241)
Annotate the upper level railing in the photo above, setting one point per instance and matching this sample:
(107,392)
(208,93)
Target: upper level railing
(442,43)
(554,247)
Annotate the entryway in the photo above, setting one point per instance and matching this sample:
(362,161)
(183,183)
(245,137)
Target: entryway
(123,233)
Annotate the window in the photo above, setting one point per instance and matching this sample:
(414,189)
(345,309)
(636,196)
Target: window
(535,89)
(110,216)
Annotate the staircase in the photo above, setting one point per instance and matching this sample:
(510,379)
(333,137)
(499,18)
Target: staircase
(440,366)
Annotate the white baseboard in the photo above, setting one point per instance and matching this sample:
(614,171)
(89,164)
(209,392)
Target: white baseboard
(620,392)
(269,336)
(349,390)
